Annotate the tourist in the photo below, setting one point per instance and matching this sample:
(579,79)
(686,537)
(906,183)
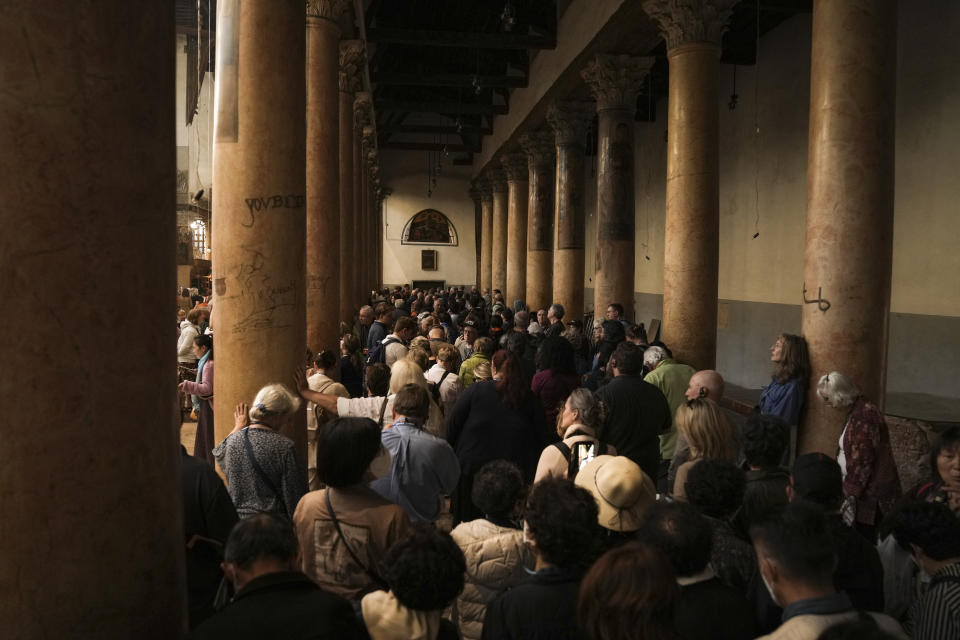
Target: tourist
(703,384)
(261,464)
(637,413)
(611,337)
(615,312)
(351,365)
(871,483)
(465,343)
(346,528)
(483,349)
(710,435)
(624,494)
(764,448)
(554,326)
(944,483)
(423,572)
(273,598)
(380,327)
(707,609)
(444,375)
(785,395)
(203,387)
(577,425)
(365,319)
(556,375)
(187,359)
(321,381)
(672,379)
(496,419)
(493,545)
(395,344)
(560,527)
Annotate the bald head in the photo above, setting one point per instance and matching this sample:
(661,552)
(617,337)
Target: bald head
(705,384)
(437,333)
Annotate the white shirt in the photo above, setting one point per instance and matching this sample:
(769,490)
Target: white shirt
(395,350)
(449,390)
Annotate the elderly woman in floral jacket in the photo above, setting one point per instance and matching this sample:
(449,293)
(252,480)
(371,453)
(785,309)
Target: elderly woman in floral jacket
(871,484)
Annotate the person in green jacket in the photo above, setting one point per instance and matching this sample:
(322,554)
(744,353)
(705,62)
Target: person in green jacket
(672,378)
(482,351)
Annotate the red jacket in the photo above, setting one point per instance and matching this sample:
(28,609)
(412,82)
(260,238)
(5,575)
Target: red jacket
(872,476)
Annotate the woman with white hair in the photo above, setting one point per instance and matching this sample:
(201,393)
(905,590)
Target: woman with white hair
(261,465)
(871,484)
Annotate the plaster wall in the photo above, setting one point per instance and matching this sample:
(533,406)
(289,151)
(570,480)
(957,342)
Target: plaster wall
(404,174)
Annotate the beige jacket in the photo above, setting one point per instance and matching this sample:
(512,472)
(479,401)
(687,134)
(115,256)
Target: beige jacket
(495,559)
(552,462)
(809,627)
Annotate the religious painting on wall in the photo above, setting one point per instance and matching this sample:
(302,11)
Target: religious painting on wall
(428,260)
(429,227)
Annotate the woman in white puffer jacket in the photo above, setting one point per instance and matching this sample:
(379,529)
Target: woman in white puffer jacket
(493,546)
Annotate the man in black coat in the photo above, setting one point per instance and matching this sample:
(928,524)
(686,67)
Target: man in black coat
(274,599)
(637,412)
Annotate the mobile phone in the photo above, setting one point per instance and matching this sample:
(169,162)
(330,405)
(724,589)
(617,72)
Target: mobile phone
(586,451)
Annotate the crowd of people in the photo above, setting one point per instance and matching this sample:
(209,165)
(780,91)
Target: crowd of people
(484,471)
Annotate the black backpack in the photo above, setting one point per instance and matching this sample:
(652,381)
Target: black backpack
(573,465)
(379,352)
(434,388)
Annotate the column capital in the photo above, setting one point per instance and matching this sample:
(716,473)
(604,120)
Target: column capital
(328,9)
(367,134)
(351,63)
(569,120)
(498,178)
(614,80)
(373,158)
(690,21)
(474,194)
(362,107)
(483,186)
(515,166)
(540,148)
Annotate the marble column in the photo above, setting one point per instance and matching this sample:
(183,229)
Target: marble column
(569,121)
(615,82)
(850,185)
(540,149)
(91,526)
(323,183)
(691,240)
(361,185)
(498,259)
(351,59)
(515,166)
(474,193)
(486,233)
(372,167)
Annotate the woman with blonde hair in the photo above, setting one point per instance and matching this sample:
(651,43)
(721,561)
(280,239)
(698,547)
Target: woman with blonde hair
(710,435)
(261,465)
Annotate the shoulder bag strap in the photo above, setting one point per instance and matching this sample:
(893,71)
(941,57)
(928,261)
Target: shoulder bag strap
(336,523)
(256,465)
(442,378)
(383,409)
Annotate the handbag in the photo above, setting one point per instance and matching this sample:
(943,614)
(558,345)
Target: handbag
(380,582)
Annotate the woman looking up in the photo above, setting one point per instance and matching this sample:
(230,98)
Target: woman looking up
(785,394)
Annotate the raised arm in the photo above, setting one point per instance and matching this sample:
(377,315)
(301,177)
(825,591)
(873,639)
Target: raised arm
(326,401)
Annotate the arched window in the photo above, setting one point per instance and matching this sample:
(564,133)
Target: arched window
(429,227)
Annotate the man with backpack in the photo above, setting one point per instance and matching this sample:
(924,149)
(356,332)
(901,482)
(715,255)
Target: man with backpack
(394,346)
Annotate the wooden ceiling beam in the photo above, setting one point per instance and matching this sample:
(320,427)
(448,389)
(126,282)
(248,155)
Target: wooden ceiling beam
(427,146)
(467,39)
(412,106)
(434,129)
(446,80)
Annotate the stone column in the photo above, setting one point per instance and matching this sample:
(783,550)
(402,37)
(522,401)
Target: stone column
(323,184)
(351,57)
(498,260)
(91,526)
(361,185)
(850,178)
(515,166)
(477,228)
(486,233)
(569,120)
(692,32)
(372,173)
(540,150)
(259,175)
(615,83)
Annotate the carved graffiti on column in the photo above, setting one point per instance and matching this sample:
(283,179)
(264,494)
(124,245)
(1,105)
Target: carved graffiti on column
(617,200)
(255,205)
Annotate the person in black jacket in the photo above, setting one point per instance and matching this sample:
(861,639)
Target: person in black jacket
(560,526)
(637,412)
(274,599)
(498,419)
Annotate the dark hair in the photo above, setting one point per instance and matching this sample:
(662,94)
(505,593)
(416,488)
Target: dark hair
(345,449)
(628,358)
(864,627)
(616,306)
(798,537)
(682,534)
(404,323)
(325,359)
(796,360)
(383,309)
(557,355)
(352,344)
(507,314)
(378,379)
(261,536)
(205,340)
(497,488)
(513,386)
(629,592)
(765,440)
(562,518)
(412,401)
(425,569)
(715,487)
(946,440)
(613,335)
(932,526)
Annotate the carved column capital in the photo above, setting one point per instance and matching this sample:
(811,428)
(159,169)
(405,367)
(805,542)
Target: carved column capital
(362,111)
(474,193)
(483,186)
(328,9)
(373,156)
(540,148)
(614,80)
(569,120)
(515,166)
(498,178)
(367,135)
(352,60)
(689,21)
